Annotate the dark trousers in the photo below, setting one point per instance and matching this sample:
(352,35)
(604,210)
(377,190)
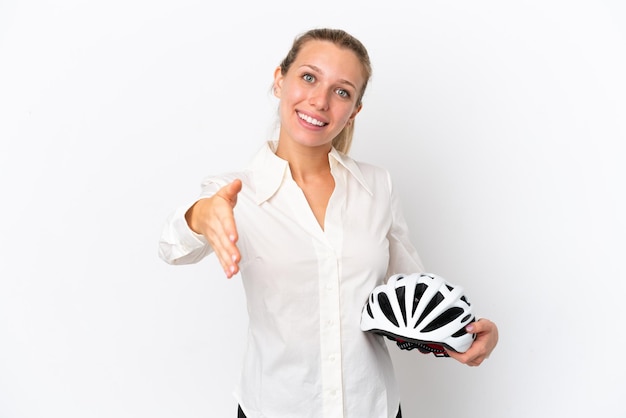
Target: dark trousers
(240,413)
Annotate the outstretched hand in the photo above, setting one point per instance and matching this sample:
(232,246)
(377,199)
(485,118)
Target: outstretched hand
(213,218)
(486,340)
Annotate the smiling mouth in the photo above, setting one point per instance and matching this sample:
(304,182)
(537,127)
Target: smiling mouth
(311,120)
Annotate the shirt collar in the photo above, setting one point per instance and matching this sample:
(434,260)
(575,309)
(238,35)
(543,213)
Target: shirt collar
(270,170)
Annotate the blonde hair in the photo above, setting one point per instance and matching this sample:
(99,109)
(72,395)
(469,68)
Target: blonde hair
(342,39)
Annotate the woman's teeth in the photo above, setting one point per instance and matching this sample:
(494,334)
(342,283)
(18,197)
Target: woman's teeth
(311,120)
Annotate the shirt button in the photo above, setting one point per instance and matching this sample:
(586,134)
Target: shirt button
(332,357)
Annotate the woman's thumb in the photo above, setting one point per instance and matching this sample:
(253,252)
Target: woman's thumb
(231,190)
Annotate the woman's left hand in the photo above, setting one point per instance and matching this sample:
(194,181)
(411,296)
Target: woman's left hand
(486,340)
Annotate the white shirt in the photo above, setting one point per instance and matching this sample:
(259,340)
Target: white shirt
(305,286)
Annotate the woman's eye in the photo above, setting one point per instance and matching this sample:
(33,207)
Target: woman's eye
(343,93)
(308,78)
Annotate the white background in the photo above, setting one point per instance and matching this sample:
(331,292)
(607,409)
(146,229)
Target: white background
(502,123)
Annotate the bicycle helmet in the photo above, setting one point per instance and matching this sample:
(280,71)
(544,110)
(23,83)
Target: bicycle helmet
(420,311)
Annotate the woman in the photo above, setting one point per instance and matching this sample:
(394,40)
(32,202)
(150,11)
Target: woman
(312,233)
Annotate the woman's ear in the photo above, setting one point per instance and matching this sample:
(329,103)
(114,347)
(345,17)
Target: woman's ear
(354,113)
(278,82)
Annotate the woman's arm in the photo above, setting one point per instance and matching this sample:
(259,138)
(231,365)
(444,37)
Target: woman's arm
(207,226)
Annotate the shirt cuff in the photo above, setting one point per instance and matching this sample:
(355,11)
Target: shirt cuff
(189,240)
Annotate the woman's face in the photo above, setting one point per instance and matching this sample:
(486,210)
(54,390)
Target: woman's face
(318,94)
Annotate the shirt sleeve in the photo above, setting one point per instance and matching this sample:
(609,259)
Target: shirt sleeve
(403,257)
(178,243)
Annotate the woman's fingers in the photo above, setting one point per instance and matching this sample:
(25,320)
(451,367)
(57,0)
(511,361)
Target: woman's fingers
(214,218)
(223,236)
(223,239)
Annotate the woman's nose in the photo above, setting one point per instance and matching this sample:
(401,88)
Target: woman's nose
(319,99)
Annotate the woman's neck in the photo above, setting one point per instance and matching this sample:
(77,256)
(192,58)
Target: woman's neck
(305,162)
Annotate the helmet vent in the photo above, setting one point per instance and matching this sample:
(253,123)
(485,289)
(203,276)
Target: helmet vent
(400,295)
(420,288)
(385,306)
(459,333)
(436,300)
(444,319)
